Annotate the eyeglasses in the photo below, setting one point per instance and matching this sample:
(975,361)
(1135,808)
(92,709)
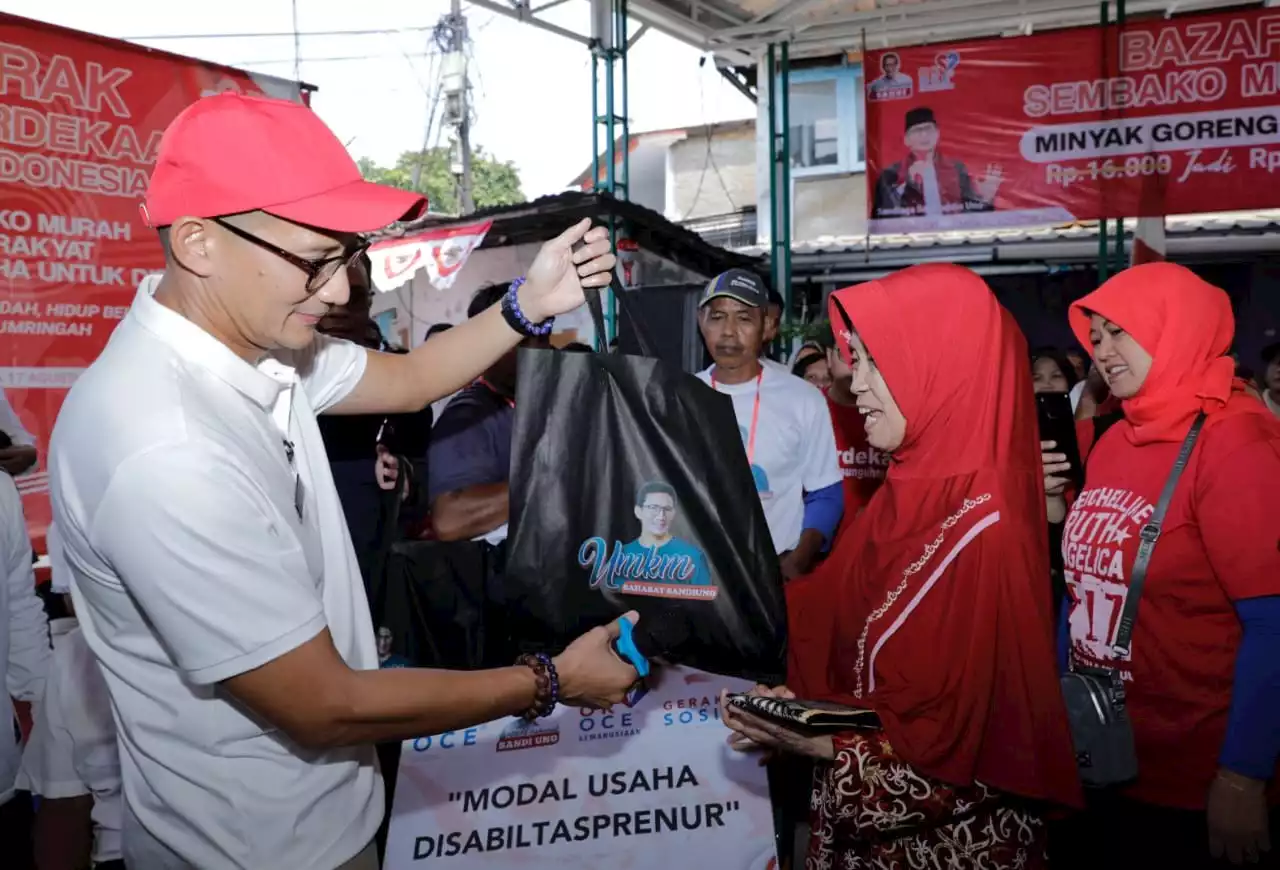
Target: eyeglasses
(319,272)
(659,509)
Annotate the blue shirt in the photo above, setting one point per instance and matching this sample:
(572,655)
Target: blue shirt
(471,444)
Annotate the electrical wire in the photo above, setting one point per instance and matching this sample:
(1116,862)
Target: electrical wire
(155,37)
(324,59)
(709,161)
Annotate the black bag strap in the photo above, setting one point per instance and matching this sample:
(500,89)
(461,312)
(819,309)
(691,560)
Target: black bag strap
(388,535)
(1149,534)
(596,306)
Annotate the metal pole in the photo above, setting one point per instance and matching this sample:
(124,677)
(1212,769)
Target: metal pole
(458,43)
(772,84)
(784,90)
(1119,249)
(1104,238)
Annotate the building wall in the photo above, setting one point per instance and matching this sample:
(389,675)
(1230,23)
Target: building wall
(829,205)
(829,200)
(711,174)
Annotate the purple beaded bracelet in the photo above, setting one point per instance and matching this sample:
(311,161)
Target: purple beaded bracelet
(515,317)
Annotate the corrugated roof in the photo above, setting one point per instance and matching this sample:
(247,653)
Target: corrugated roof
(1224,223)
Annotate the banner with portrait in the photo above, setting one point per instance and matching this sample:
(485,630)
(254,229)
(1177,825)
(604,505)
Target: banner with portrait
(630,489)
(654,785)
(1160,116)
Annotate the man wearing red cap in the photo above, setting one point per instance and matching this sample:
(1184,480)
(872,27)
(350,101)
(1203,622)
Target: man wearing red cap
(211,565)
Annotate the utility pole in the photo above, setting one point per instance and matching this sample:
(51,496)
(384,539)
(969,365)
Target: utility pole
(457,103)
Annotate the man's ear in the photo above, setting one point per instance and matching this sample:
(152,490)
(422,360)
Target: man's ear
(191,245)
(771,319)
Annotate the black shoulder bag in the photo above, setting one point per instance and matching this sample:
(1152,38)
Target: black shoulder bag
(1095,697)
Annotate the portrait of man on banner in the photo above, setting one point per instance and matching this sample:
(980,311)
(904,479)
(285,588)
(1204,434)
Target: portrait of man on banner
(656,562)
(928,183)
(893,83)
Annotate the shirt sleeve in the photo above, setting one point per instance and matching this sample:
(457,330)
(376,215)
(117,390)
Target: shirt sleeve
(11,424)
(29,651)
(86,705)
(216,568)
(330,368)
(462,452)
(48,768)
(821,465)
(1239,525)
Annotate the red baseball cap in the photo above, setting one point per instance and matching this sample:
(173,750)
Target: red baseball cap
(232,153)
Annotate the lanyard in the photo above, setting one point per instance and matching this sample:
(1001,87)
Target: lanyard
(755,414)
(490,387)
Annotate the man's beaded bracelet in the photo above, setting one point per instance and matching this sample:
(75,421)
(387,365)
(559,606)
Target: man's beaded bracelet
(548,682)
(515,317)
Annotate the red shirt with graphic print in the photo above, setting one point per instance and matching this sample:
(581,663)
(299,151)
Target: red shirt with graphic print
(862,465)
(1220,543)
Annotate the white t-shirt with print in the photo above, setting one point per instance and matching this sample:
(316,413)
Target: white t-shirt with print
(795,449)
(204,537)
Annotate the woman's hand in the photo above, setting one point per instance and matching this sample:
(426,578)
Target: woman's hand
(1239,826)
(752,732)
(1054,485)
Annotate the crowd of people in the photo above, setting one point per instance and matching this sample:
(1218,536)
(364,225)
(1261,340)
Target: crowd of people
(216,692)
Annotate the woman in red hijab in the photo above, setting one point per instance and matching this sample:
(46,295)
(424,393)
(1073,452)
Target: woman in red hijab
(1202,675)
(935,610)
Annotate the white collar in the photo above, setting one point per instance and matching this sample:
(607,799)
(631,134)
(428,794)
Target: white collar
(261,383)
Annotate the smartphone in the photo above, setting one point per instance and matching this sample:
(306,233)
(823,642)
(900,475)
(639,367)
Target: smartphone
(1058,424)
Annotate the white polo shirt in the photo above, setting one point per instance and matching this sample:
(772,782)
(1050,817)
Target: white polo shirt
(795,446)
(199,551)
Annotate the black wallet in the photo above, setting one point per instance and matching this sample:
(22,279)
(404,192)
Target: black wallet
(806,715)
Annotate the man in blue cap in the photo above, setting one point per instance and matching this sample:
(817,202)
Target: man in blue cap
(783,420)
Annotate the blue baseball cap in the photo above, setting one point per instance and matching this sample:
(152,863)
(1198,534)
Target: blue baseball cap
(746,287)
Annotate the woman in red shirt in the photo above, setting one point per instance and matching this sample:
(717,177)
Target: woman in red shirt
(934,609)
(1203,674)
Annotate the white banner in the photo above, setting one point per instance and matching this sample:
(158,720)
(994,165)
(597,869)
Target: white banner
(442,252)
(654,786)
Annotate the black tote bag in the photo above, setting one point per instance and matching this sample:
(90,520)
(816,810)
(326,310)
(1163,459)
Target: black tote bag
(437,604)
(592,433)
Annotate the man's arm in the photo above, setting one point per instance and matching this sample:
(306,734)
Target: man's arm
(226,586)
(467,469)
(348,707)
(20,455)
(351,708)
(29,651)
(401,383)
(468,513)
(17,459)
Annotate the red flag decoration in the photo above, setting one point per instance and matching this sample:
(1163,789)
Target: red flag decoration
(1148,241)
(442,252)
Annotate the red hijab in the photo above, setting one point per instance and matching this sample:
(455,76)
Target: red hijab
(935,608)
(1186,324)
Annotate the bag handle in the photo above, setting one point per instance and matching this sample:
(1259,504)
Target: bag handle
(596,306)
(388,535)
(1149,534)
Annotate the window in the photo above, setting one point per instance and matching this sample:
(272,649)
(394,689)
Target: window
(825,131)
(815,124)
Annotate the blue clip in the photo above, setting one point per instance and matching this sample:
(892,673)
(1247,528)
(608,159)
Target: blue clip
(625,647)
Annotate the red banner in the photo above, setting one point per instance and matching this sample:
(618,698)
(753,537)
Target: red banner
(80,121)
(1158,117)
